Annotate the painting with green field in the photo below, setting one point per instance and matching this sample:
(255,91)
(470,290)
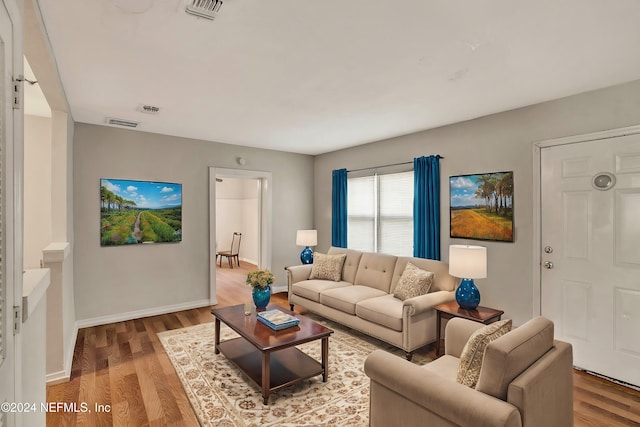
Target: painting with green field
(133,212)
(482,206)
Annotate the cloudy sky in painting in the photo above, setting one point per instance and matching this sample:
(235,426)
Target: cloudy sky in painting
(146,194)
(463,190)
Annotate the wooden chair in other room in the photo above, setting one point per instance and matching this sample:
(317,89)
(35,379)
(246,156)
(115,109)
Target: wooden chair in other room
(233,252)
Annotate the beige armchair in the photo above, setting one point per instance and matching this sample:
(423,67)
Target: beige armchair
(526,380)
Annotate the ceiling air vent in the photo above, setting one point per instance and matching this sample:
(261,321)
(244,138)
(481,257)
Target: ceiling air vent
(149,109)
(204,8)
(120,122)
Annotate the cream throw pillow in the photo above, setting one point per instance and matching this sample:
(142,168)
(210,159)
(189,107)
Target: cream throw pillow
(327,267)
(413,282)
(473,351)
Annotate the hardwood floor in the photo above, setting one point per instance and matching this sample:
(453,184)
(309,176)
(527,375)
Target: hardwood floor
(123,367)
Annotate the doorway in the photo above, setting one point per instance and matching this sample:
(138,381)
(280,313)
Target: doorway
(589,261)
(262,238)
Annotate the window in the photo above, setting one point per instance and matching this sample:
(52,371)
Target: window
(380,211)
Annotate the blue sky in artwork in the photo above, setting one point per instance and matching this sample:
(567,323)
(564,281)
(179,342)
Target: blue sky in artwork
(146,194)
(463,190)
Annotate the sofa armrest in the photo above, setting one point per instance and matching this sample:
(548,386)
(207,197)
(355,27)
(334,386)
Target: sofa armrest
(457,333)
(426,302)
(297,273)
(405,385)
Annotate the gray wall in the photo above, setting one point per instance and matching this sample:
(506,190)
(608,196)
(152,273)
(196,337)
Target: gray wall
(501,142)
(110,281)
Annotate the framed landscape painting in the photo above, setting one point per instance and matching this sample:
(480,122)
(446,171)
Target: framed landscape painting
(133,212)
(481,206)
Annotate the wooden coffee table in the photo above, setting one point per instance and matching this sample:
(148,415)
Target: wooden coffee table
(270,358)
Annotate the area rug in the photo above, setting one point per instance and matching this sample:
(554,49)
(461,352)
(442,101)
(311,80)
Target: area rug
(221,395)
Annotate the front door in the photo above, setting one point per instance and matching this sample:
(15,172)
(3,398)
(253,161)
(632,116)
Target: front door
(590,241)
(7,290)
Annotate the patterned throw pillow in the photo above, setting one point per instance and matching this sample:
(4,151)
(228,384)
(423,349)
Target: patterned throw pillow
(473,351)
(327,267)
(413,282)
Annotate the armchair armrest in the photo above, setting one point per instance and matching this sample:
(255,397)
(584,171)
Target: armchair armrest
(426,302)
(403,385)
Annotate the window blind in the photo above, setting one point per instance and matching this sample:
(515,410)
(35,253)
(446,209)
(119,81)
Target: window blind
(380,211)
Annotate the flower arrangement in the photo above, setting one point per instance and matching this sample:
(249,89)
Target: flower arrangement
(260,279)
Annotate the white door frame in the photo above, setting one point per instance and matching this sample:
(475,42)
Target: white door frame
(13,207)
(265,179)
(537,196)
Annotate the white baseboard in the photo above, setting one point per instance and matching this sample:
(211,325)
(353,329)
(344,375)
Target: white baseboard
(57,377)
(65,375)
(276,288)
(122,317)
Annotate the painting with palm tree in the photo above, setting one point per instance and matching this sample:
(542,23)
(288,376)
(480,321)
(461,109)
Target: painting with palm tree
(139,212)
(482,206)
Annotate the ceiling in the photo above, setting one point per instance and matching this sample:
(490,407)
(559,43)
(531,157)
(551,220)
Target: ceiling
(307,77)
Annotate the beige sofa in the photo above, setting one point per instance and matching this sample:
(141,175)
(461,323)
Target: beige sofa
(526,379)
(363,299)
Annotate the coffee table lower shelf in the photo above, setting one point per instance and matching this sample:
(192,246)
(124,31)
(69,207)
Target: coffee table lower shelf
(280,368)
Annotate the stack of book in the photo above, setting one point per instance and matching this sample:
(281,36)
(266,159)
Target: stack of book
(276,319)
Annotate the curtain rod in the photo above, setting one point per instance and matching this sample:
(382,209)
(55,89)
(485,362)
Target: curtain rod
(386,166)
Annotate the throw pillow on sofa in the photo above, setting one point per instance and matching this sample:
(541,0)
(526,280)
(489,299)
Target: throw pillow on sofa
(327,267)
(473,351)
(413,282)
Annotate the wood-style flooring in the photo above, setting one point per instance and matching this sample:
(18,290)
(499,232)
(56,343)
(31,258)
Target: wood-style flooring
(123,367)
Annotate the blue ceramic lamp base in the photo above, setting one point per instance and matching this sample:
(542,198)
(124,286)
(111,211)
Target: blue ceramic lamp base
(306,256)
(468,295)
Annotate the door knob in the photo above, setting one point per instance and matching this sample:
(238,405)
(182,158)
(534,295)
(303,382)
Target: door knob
(548,265)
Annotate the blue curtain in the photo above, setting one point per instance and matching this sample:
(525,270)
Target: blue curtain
(426,207)
(339,209)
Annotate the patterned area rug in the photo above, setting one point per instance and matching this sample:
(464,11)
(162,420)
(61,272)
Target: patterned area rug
(222,395)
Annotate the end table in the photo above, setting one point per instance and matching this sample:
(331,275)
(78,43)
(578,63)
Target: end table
(451,309)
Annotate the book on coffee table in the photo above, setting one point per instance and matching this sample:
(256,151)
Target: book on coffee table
(277,319)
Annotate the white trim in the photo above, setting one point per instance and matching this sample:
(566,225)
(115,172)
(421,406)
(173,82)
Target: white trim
(595,136)
(138,314)
(537,207)
(35,282)
(56,252)
(265,179)
(57,377)
(537,195)
(65,375)
(213,298)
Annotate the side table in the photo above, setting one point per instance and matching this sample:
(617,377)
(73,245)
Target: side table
(451,309)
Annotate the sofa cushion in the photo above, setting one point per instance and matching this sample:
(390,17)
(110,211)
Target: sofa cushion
(350,264)
(413,282)
(445,366)
(375,271)
(385,310)
(327,267)
(473,351)
(442,281)
(311,289)
(346,298)
(510,355)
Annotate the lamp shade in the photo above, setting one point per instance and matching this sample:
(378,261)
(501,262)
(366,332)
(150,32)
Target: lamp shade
(307,238)
(468,262)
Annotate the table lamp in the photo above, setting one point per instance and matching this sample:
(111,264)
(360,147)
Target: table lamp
(307,238)
(468,263)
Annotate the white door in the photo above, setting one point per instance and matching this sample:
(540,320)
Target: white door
(7,291)
(590,235)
